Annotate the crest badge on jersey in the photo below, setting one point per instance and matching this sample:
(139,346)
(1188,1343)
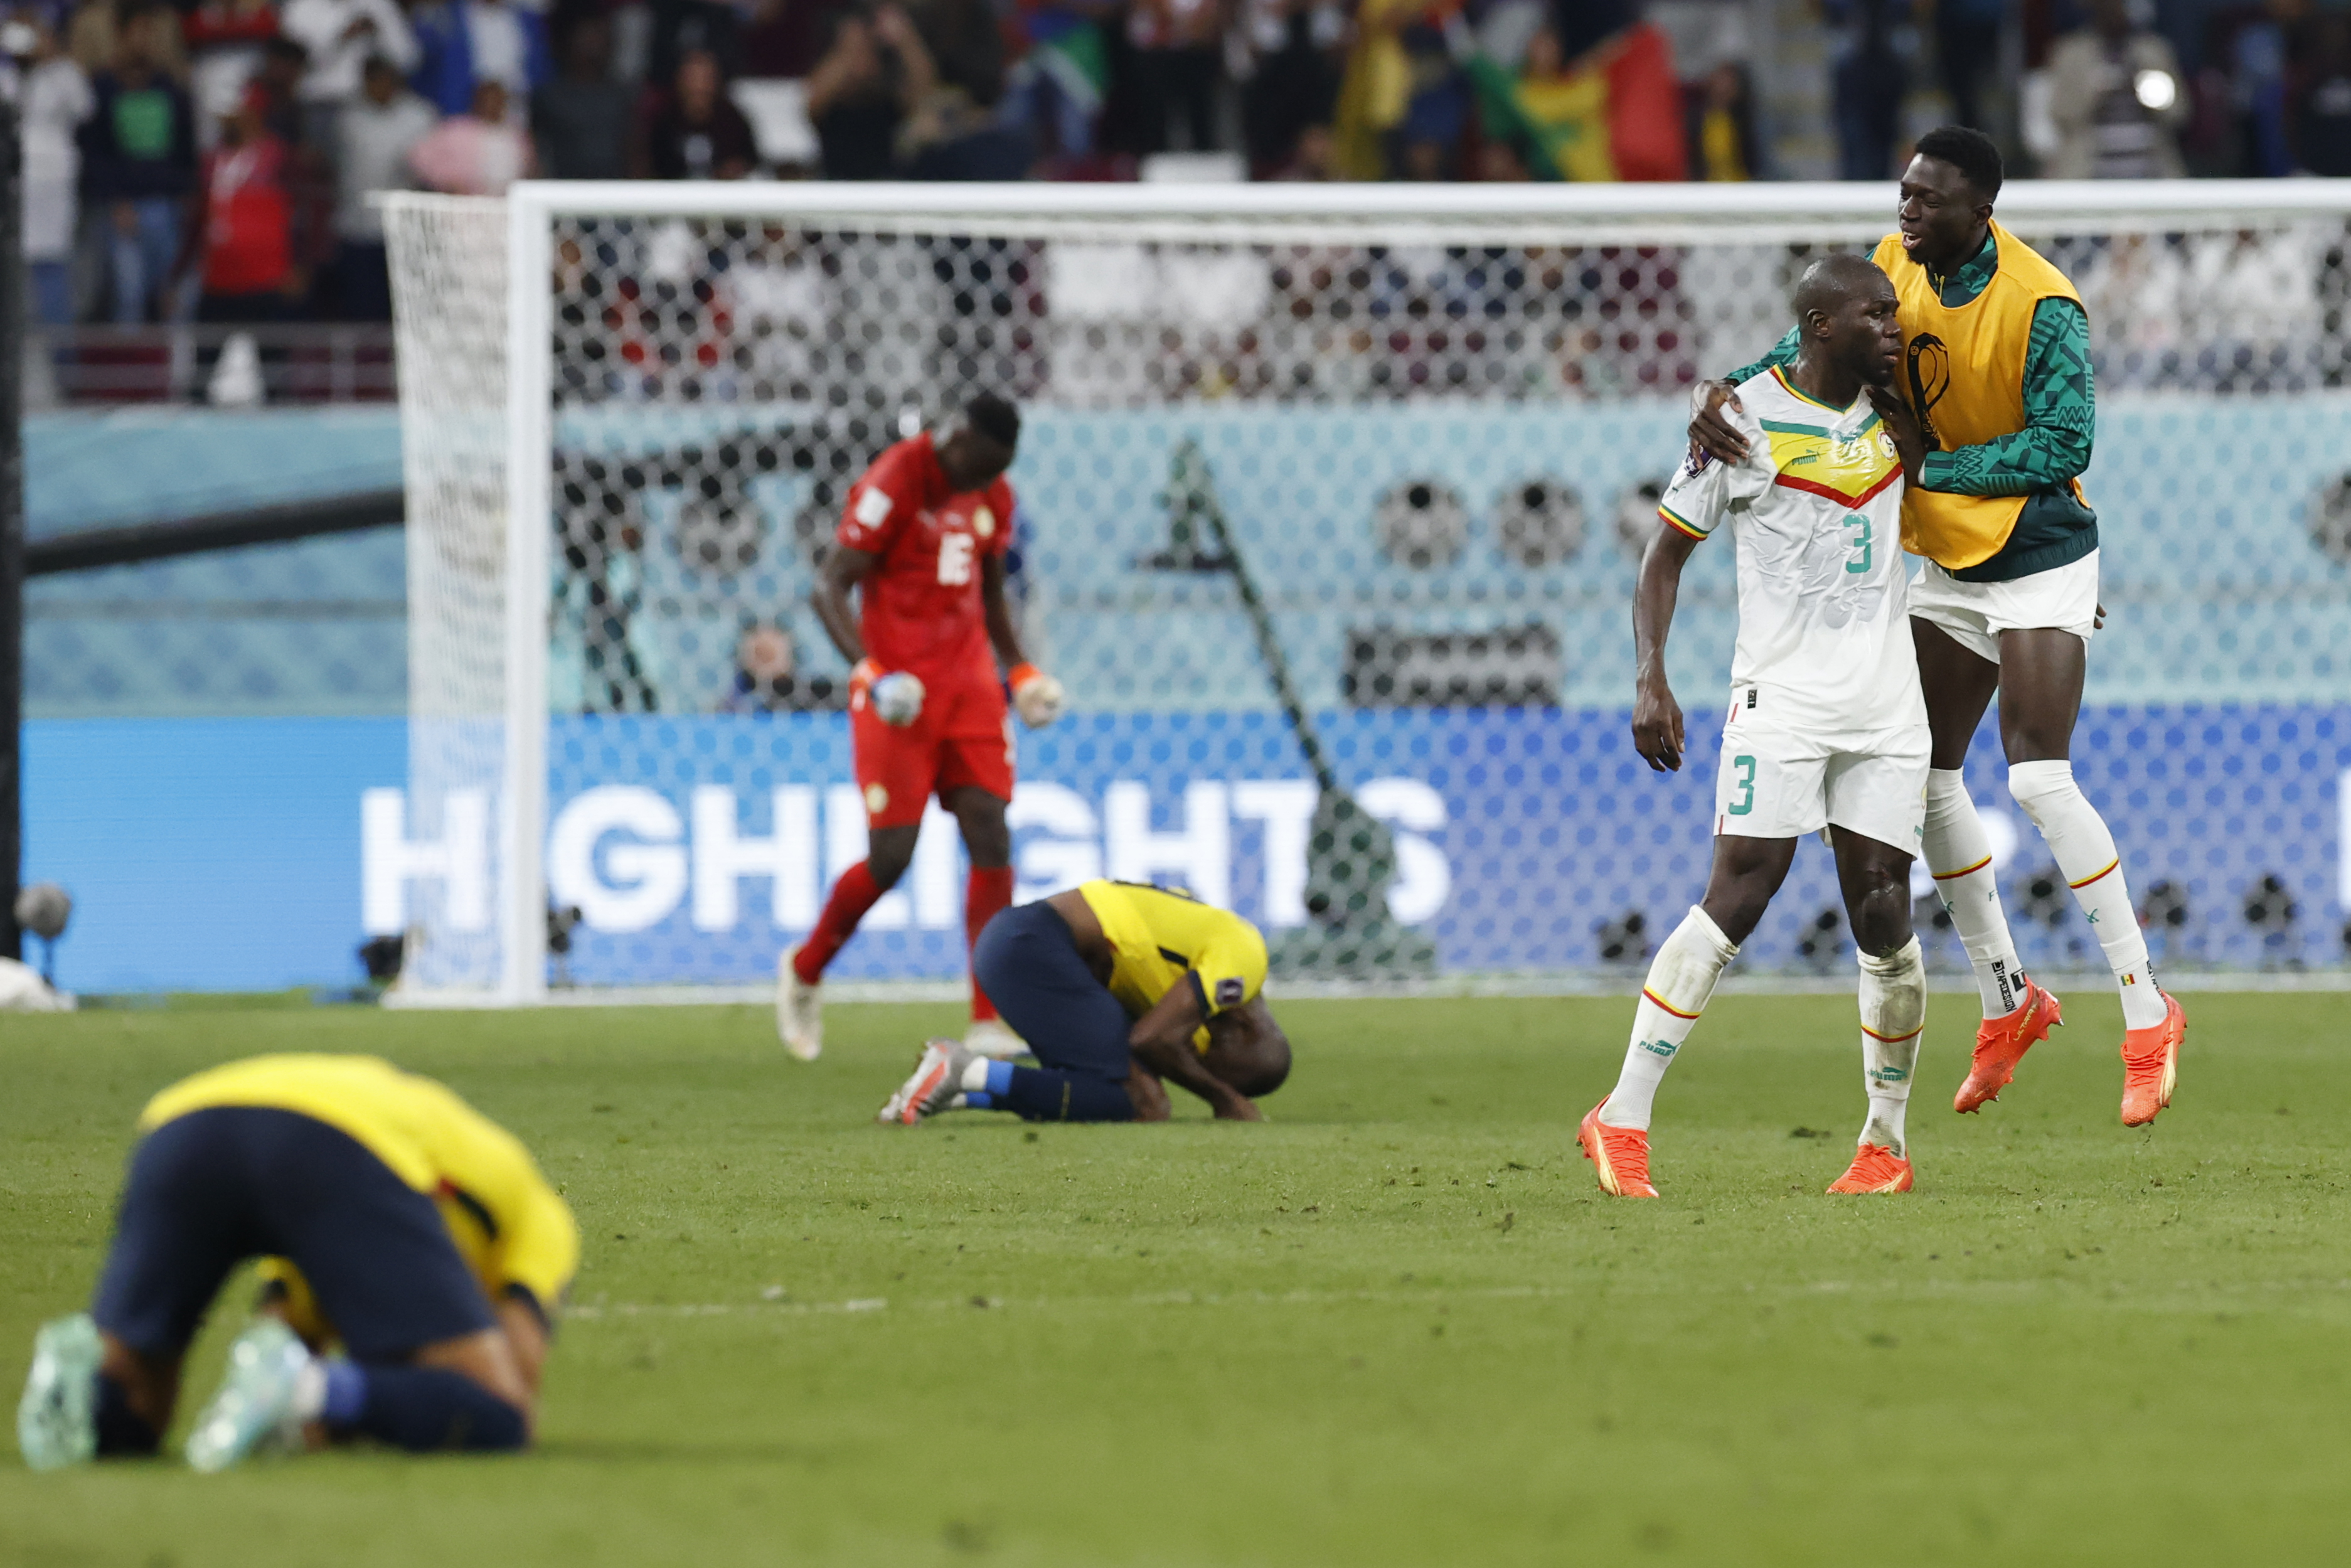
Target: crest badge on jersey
(983,522)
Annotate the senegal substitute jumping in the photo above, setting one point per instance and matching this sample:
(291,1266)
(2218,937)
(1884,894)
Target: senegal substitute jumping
(1115,986)
(394,1220)
(1999,372)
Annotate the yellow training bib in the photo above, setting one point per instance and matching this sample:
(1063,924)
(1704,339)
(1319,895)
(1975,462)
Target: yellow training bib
(1966,379)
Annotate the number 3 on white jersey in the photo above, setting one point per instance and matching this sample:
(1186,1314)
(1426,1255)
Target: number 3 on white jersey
(955,560)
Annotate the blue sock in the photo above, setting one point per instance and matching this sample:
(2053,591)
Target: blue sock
(347,1390)
(978,1100)
(121,1429)
(424,1407)
(999,1077)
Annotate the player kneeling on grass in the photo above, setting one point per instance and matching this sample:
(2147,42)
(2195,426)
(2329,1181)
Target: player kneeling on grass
(1115,986)
(1827,724)
(391,1218)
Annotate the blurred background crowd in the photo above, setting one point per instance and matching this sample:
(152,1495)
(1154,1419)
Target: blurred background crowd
(212,162)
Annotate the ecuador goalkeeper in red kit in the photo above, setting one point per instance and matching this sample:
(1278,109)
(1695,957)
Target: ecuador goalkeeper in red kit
(923,542)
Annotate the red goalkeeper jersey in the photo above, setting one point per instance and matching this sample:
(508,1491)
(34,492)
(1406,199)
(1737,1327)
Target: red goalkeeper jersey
(921,609)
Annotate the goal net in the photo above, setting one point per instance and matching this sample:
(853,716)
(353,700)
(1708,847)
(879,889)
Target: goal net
(1389,450)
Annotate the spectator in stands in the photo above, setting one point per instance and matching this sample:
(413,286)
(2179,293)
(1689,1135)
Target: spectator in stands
(377,132)
(1058,86)
(2322,112)
(1723,143)
(465,43)
(952,55)
(581,118)
(1177,54)
(1967,52)
(766,677)
(307,132)
(1869,82)
(93,36)
(248,267)
(1428,138)
(1293,86)
(225,40)
(2258,51)
(341,39)
(681,27)
(2116,97)
(1374,88)
(477,154)
(138,165)
(55,100)
(893,95)
(856,97)
(692,131)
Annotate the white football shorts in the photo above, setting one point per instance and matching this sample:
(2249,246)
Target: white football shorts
(1976,613)
(1778,783)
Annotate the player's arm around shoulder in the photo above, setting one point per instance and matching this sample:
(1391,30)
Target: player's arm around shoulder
(1715,428)
(1901,421)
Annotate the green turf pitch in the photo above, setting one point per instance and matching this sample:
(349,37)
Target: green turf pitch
(1394,1325)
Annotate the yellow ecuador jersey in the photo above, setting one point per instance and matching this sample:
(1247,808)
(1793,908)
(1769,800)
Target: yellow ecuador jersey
(508,1224)
(1967,381)
(1161,939)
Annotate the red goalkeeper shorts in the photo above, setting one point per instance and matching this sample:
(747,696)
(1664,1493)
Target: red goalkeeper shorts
(963,736)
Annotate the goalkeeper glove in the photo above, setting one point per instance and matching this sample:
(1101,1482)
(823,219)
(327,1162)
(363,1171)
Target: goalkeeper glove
(897,696)
(1036,696)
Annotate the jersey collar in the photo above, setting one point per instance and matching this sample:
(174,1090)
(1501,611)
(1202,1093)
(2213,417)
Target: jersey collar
(1792,390)
(1970,277)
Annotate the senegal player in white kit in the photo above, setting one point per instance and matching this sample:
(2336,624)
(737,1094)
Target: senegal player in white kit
(1827,724)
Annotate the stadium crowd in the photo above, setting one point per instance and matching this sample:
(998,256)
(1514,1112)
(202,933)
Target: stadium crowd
(213,160)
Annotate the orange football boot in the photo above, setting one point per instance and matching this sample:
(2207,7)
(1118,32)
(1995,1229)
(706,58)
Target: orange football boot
(2151,1064)
(1621,1155)
(1875,1168)
(2001,1044)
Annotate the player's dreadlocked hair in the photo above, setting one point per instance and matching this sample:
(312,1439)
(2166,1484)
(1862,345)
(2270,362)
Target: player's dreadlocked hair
(1971,153)
(994,417)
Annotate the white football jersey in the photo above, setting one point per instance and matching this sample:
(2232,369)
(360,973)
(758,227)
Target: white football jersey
(1824,603)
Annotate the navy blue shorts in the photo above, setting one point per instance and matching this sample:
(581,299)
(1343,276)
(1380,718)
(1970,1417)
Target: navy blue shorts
(1028,964)
(214,1187)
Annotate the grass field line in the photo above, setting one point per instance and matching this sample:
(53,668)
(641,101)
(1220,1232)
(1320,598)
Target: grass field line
(2184,1296)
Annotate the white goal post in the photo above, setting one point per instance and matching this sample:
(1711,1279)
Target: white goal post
(627,408)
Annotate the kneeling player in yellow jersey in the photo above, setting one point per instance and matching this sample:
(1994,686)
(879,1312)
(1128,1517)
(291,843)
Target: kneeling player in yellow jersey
(1115,986)
(392,1218)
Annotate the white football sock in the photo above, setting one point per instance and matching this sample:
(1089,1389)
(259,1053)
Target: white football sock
(2086,856)
(1681,978)
(975,1075)
(1958,852)
(1893,1017)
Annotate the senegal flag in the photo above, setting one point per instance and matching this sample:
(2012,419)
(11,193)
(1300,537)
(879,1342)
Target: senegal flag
(1615,113)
